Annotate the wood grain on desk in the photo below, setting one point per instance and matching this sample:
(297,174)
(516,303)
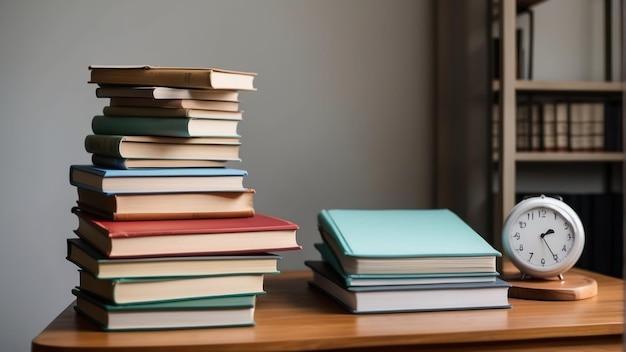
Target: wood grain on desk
(294,316)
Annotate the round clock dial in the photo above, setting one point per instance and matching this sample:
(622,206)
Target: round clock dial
(543,237)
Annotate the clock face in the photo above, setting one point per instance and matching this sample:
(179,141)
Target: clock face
(543,238)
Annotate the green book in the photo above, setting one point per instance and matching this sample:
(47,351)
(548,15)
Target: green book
(181,314)
(163,126)
(405,241)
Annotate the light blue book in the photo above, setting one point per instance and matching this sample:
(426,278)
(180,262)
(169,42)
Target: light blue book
(405,241)
(409,298)
(155,180)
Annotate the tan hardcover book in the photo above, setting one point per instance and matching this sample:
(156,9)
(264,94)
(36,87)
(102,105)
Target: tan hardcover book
(159,206)
(176,77)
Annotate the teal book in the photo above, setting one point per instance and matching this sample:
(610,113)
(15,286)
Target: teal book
(181,314)
(409,298)
(405,241)
(399,279)
(157,180)
(163,126)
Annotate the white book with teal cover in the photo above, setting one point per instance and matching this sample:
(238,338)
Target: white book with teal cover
(405,241)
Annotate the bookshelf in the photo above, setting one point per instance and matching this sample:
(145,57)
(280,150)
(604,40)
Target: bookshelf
(509,89)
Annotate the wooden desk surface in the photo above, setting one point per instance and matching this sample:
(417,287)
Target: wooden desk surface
(294,317)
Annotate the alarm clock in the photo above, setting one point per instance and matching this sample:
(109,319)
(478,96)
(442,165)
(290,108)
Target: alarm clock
(543,237)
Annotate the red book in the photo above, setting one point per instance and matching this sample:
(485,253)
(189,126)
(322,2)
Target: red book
(154,238)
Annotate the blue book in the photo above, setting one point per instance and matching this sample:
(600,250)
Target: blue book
(405,241)
(407,298)
(157,180)
(163,126)
(399,279)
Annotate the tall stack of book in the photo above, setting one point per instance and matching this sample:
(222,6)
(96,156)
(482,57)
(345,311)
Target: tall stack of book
(401,260)
(167,234)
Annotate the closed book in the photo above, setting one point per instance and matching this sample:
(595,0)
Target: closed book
(152,147)
(89,259)
(405,241)
(163,126)
(166,93)
(164,206)
(398,279)
(137,290)
(182,314)
(407,298)
(156,180)
(174,103)
(129,239)
(137,111)
(112,162)
(177,77)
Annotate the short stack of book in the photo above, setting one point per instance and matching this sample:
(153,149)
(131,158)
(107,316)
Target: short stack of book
(403,260)
(168,236)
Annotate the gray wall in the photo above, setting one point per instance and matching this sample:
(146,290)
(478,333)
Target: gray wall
(343,116)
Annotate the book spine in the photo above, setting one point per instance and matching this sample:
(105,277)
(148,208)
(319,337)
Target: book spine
(109,161)
(138,126)
(103,145)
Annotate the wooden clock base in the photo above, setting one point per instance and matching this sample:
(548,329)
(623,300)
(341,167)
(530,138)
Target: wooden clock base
(573,287)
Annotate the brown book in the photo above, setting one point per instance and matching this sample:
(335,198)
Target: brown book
(160,206)
(143,111)
(176,77)
(176,103)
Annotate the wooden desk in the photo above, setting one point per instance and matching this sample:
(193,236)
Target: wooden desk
(295,317)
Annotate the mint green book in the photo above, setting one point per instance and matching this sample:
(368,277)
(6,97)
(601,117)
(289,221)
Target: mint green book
(405,241)
(181,314)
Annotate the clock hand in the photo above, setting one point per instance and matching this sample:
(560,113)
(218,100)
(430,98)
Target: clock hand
(543,237)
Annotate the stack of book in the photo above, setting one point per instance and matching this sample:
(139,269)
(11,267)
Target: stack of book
(400,260)
(167,235)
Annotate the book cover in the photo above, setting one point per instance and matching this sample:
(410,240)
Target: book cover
(151,147)
(407,298)
(144,290)
(166,93)
(156,180)
(398,279)
(167,206)
(163,126)
(255,234)
(177,77)
(181,314)
(89,259)
(410,241)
